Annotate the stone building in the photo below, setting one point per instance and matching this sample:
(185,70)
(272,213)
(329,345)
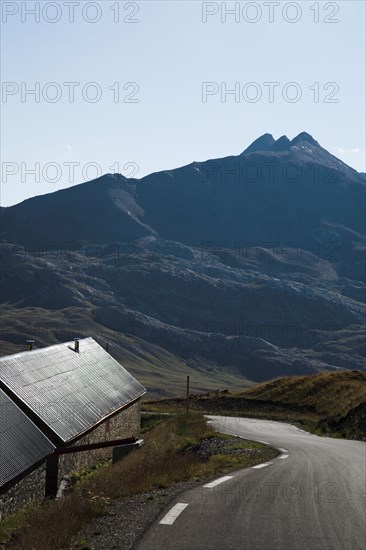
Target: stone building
(63,409)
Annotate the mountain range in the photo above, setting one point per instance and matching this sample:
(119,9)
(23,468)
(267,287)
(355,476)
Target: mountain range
(233,270)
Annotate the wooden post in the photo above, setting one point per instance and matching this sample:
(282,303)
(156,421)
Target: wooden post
(51,476)
(187,394)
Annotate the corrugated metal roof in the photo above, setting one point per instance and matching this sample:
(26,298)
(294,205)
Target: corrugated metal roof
(69,391)
(22,444)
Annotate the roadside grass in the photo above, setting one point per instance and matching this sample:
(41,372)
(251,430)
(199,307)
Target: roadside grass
(51,525)
(327,403)
(10,524)
(150,420)
(164,459)
(306,420)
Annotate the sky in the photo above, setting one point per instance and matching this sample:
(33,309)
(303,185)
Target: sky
(138,87)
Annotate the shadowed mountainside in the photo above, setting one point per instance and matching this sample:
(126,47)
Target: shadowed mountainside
(241,268)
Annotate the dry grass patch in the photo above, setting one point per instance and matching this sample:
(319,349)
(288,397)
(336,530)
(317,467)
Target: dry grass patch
(54,524)
(159,463)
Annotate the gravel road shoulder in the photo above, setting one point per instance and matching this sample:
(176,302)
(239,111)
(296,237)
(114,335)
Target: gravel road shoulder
(127,519)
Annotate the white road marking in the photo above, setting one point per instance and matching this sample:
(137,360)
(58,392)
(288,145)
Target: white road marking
(264,442)
(172,515)
(282,450)
(283,456)
(262,465)
(217,481)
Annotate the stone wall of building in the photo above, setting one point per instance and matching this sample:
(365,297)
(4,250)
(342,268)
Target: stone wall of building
(27,491)
(123,425)
(31,489)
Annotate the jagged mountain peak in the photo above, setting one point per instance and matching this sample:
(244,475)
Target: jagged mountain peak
(268,143)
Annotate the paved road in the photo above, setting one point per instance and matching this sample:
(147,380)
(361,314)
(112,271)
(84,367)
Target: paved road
(311,497)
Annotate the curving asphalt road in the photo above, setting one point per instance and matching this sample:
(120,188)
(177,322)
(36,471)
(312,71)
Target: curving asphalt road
(311,497)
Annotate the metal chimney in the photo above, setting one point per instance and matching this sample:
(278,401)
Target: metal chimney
(30,344)
(76,344)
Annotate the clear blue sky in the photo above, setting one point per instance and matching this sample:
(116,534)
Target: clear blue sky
(169,52)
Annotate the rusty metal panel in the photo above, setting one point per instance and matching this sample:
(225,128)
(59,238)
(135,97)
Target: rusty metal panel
(70,391)
(22,444)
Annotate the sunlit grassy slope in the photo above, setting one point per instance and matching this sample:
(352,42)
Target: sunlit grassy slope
(327,393)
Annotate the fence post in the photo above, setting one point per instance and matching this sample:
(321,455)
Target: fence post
(187,394)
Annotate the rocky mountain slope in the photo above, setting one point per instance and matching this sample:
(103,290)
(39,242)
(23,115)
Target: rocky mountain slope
(233,269)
